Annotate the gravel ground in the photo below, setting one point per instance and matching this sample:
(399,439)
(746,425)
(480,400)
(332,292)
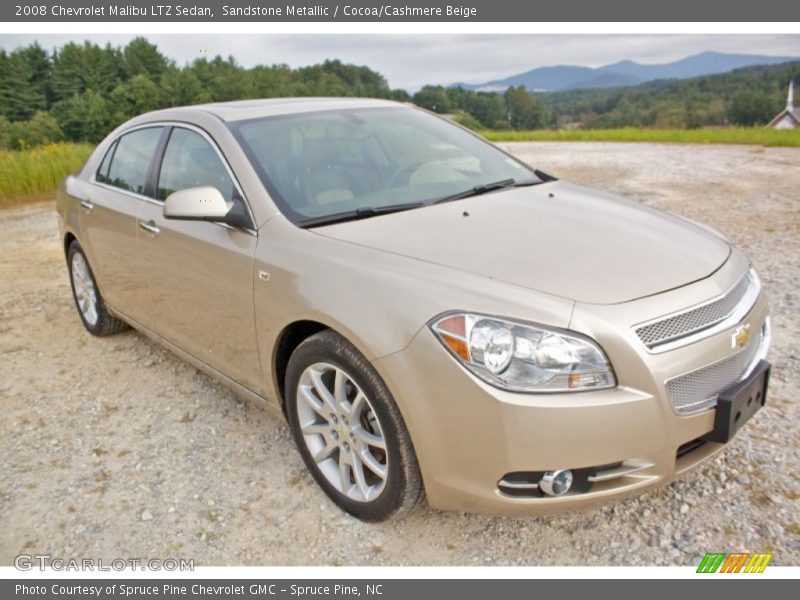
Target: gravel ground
(115,448)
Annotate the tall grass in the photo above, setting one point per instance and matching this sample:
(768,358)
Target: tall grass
(32,173)
(742,135)
(37,171)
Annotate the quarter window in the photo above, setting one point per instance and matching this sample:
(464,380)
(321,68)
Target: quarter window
(190,161)
(131,160)
(102,171)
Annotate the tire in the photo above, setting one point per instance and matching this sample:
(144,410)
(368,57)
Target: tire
(97,321)
(367,415)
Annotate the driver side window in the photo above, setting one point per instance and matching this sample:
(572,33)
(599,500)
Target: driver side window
(190,161)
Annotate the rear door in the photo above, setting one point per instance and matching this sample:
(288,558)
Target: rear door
(109,213)
(198,276)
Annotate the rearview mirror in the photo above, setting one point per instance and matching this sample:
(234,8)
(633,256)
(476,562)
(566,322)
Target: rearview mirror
(204,203)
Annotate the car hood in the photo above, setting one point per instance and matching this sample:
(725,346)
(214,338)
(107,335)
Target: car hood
(556,238)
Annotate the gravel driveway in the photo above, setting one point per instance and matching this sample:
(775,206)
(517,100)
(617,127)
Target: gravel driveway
(114,448)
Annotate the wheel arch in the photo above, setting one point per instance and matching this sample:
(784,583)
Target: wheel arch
(295,333)
(290,337)
(69,237)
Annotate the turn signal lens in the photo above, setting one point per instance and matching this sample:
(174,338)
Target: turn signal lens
(458,346)
(452,331)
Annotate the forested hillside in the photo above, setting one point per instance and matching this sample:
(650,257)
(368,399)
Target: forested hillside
(745,97)
(81,91)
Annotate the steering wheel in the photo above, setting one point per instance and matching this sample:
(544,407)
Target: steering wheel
(402,170)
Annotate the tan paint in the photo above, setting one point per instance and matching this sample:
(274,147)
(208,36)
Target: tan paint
(577,259)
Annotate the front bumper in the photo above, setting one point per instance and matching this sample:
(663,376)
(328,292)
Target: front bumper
(469,435)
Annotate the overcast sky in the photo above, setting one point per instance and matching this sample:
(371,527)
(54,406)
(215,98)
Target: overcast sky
(410,61)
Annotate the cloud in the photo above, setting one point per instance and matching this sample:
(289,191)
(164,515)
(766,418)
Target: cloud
(410,61)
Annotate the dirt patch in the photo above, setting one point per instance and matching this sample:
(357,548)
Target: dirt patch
(115,448)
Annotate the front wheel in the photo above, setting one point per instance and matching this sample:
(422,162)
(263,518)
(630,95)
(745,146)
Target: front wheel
(349,431)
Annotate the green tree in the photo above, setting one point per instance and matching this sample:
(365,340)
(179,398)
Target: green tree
(40,69)
(134,97)
(222,79)
(751,108)
(488,108)
(5,133)
(41,129)
(275,81)
(179,87)
(78,68)
(140,57)
(467,120)
(433,97)
(400,96)
(524,111)
(84,117)
(22,84)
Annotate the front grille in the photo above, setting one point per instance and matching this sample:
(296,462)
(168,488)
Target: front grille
(694,319)
(699,389)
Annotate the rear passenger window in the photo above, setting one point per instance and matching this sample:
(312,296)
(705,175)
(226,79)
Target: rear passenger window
(102,170)
(131,160)
(190,161)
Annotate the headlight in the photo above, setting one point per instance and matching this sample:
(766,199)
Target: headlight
(522,357)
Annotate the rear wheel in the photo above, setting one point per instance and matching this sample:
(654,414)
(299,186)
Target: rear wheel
(91,308)
(349,431)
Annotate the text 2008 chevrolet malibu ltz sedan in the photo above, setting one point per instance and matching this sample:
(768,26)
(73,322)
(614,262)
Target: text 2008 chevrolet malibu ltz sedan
(432,316)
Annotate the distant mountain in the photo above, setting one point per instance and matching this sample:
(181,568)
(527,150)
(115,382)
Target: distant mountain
(626,72)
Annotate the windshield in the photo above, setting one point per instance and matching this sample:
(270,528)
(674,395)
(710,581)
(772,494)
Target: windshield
(318,165)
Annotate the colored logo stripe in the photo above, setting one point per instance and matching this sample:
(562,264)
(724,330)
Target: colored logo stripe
(734,562)
(758,563)
(711,562)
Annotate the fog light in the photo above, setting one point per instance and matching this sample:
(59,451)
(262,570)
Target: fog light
(556,483)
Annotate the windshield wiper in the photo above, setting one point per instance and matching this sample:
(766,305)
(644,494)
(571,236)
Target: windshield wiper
(359,213)
(483,188)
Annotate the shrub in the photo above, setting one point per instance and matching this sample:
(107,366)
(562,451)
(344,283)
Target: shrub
(467,120)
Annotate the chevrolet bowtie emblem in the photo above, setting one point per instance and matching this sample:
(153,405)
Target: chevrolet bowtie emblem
(741,336)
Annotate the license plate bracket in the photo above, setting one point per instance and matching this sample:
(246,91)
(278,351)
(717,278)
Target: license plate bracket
(737,404)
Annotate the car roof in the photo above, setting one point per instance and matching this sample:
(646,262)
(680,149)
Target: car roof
(253,109)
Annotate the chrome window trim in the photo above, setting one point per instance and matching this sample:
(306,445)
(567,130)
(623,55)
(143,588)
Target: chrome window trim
(156,201)
(735,317)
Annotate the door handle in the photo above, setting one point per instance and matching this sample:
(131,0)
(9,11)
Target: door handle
(87,204)
(149,228)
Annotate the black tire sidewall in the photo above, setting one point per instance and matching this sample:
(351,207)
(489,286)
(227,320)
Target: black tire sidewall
(391,498)
(97,328)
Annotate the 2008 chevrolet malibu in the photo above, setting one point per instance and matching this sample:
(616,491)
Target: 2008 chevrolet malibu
(432,316)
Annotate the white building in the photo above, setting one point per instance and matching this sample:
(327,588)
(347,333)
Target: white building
(789,117)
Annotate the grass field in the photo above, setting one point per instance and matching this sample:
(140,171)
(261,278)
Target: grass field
(751,135)
(28,174)
(33,174)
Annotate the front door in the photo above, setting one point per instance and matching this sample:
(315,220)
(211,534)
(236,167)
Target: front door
(197,276)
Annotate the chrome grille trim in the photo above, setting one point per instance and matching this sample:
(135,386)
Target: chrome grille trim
(698,390)
(626,469)
(698,322)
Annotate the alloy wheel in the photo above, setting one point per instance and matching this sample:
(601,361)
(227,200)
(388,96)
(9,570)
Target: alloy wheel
(342,432)
(85,292)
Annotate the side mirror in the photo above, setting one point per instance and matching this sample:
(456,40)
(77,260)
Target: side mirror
(203,203)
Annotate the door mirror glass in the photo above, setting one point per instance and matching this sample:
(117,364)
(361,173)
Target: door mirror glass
(203,203)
